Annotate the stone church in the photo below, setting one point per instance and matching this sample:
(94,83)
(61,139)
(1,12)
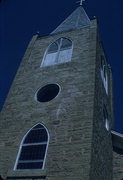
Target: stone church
(57,121)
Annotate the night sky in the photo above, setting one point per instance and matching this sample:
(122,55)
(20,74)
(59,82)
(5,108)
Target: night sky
(21,19)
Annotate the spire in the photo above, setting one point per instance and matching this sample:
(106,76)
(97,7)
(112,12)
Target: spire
(78,19)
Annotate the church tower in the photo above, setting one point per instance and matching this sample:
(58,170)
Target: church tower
(56,120)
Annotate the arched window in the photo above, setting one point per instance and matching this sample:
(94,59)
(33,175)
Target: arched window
(58,52)
(33,149)
(104,74)
(106,118)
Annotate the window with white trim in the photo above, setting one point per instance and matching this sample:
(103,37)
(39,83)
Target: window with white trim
(59,51)
(104,75)
(33,149)
(106,118)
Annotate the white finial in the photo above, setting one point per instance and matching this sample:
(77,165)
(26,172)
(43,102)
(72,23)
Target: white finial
(81,1)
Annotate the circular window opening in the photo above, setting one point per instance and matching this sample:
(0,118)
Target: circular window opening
(107,124)
(47,93)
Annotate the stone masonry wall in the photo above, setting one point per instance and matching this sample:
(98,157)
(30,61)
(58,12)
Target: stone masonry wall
(68,117)
(101,162)
(117,166)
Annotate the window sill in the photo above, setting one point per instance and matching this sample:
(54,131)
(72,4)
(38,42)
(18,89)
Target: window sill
(36,173)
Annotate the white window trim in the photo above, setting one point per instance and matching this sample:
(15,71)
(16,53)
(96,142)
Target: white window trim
(58,52)
(106,118)
(107,124)
(104,79)
(21,145)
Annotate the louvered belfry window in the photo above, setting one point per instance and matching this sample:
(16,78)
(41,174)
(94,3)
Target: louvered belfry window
(58,52)
(33,149)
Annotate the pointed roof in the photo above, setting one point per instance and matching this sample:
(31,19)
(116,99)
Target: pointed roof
(78,19)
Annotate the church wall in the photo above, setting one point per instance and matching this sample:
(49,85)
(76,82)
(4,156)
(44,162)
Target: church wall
(101,162)
(117,166)
(68,117)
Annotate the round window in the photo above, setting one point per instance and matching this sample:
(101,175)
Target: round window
(47,93)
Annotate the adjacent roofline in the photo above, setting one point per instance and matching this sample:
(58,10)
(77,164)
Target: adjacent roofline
(117,142)
(117,133)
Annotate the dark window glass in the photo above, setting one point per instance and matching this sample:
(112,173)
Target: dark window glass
(66,44)
(36,135)
(47,93)
(31,165)
(34,152)
(53,48)
(33,149)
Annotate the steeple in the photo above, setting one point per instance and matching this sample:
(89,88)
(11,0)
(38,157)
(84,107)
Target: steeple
(78,19)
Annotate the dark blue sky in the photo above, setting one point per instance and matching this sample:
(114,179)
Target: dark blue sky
(19,20)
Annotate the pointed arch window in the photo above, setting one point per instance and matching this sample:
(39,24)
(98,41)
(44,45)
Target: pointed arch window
(33,149)
(104,75)
(106,118)
(58,52)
